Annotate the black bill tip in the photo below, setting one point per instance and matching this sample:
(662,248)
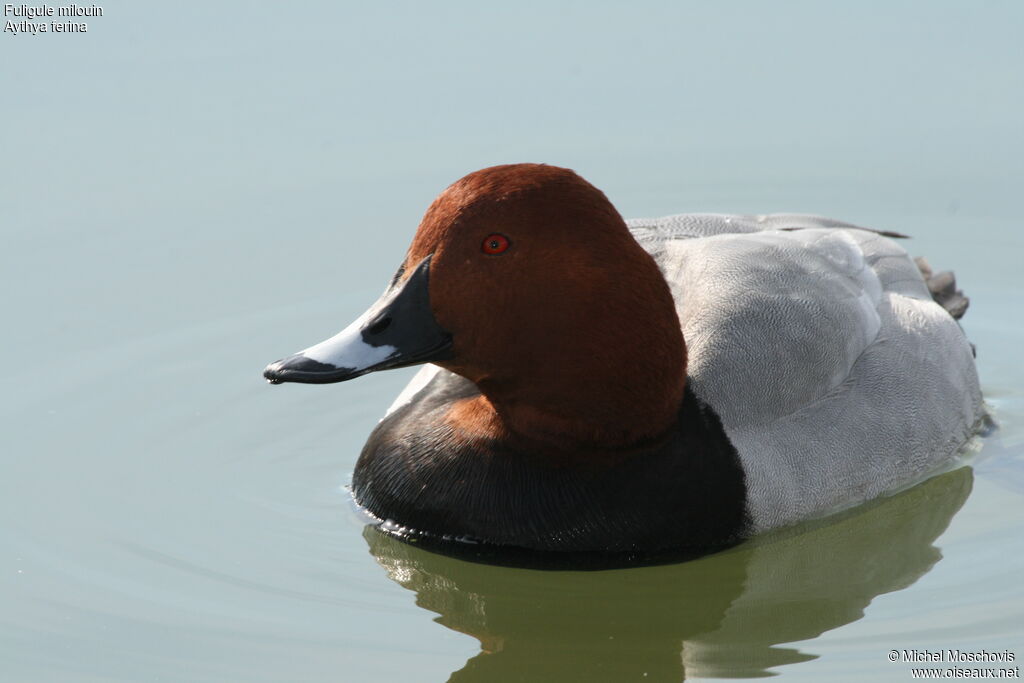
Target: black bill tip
(299,368)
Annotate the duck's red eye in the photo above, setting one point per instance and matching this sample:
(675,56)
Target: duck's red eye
(495,244)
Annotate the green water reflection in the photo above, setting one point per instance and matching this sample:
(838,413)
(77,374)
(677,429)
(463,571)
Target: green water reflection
(726,615)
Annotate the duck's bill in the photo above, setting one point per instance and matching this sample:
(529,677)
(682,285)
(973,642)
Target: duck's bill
(398,330)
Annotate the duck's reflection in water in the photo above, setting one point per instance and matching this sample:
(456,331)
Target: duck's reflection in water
(724,615)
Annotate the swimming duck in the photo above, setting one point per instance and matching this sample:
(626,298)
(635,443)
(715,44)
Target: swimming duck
(605,386)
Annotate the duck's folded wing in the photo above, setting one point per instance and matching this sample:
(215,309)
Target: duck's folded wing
(776,319)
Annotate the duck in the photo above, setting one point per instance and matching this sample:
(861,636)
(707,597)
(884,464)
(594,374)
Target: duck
(602,387)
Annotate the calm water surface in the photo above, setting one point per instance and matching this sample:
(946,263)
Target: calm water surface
(190,192)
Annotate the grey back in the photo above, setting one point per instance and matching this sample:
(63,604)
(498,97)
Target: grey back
(835,375)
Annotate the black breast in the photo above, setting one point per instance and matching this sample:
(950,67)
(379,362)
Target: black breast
(683,495)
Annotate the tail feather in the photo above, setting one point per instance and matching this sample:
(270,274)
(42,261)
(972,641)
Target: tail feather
(943,289)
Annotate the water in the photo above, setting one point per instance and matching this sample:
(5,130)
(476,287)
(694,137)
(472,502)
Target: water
(191,192)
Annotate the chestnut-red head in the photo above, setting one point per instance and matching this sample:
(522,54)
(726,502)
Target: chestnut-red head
(549,305)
